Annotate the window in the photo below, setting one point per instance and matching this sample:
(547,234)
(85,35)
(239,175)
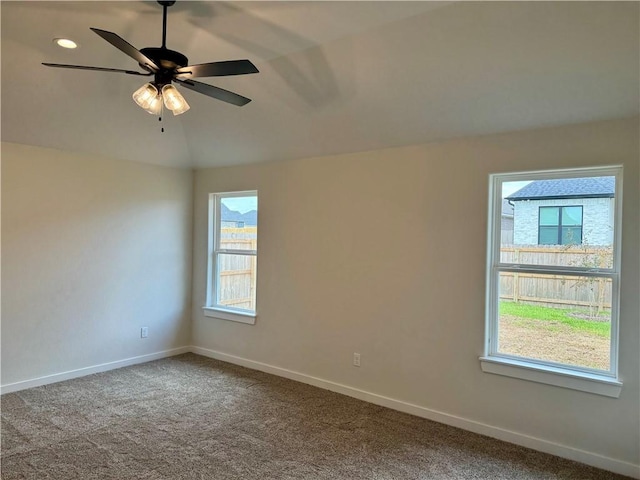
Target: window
(560,225)
(552,290)
(233,252)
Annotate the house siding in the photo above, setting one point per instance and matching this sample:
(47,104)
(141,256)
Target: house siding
(597,219)
(506,224)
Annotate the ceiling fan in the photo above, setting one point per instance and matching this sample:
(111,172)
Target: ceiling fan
(169,66)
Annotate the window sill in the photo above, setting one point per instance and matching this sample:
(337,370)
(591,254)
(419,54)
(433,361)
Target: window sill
(233,316)
(533,372)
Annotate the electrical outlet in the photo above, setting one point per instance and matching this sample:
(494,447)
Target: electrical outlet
(356,359)
(144,332)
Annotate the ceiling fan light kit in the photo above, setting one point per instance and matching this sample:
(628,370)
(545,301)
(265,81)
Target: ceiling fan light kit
(169,66)
(150,99)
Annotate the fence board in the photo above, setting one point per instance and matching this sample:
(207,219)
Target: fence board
(556,290)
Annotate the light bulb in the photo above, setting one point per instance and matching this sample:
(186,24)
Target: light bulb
(145,95)
(173,100)
(155,105)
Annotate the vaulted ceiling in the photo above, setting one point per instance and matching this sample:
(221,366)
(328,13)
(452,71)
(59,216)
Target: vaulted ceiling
(335,77)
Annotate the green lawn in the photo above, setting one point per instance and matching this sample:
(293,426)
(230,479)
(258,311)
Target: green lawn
(556,315)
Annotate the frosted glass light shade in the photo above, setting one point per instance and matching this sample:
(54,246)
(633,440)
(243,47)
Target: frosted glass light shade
(173,100)
(155,105)
(145,95)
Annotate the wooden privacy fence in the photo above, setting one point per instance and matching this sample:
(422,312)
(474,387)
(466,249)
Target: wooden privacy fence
(568,256)
(238,272)
(557,290)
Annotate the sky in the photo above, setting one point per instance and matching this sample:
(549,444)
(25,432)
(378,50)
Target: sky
(241,204)
(509,187)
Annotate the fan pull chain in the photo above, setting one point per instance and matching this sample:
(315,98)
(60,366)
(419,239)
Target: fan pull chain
(160,118)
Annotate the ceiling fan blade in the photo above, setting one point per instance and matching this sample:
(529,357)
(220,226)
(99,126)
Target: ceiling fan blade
(217,69)
(215,92)
(127,48)
(99,69)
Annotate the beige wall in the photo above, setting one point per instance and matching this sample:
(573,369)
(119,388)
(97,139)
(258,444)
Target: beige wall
(92,249)
(384,253)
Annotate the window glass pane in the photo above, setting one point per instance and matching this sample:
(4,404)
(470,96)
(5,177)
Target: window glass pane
(562,319)
(564,222)
(571,216)
(571,236)
(548,235)
(239,223)
(549,215)
(236,281)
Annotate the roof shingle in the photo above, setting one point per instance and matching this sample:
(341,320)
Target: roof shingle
(566,188)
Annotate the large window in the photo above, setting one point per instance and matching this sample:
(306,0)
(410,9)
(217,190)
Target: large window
(560,225)
(233,252)
(552,291)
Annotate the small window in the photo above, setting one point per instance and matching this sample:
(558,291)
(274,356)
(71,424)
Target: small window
(233,253)
(553,282)
(560,225)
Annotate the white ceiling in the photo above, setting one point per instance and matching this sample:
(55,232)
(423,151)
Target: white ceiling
(335,77)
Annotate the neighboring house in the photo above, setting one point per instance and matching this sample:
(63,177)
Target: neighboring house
(506,223)
(572,211)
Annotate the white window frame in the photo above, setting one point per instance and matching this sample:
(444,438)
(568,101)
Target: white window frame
(212,308)
(569,376)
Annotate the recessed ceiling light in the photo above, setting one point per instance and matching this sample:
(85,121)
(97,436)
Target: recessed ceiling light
(65,43)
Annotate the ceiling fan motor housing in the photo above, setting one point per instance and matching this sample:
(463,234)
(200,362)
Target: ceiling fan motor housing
(167,60)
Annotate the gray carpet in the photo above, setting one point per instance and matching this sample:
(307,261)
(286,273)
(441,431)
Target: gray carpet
(190,417)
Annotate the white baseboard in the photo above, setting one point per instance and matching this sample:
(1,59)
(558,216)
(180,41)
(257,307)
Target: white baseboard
(81,372)
(582,456)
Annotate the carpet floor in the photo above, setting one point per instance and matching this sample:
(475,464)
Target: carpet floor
(190,417)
